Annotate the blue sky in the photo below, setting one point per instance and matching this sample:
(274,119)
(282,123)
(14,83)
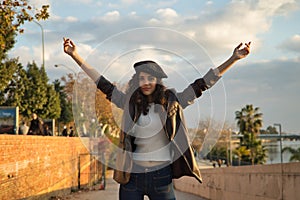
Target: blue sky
(187,38)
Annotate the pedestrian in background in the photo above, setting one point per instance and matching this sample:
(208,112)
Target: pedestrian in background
(36,125)
(71,133)
(47,131)
(23,130)
(65,131)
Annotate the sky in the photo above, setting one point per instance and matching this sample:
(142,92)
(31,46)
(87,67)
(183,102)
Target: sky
(186,38)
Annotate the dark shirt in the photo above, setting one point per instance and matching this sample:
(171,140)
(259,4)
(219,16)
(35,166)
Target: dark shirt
(65,132)
(36,127)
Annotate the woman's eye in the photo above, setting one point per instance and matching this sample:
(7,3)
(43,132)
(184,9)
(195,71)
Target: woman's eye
(151,79)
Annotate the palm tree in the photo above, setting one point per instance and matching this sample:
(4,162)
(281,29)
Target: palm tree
(249,121)
(240,152)
(295,153)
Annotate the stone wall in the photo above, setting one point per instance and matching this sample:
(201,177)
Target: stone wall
(260,182)
(38,167)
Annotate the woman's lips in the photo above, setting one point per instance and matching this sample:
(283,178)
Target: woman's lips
(146,89)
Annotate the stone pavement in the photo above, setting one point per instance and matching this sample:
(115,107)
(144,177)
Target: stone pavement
(111,193)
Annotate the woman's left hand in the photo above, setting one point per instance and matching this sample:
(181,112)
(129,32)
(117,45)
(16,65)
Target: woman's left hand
(243,52)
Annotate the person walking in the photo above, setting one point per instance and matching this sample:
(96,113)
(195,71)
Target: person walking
(36,126)
(153,146)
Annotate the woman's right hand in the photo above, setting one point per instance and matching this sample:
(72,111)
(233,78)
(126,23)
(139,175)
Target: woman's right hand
(69,47)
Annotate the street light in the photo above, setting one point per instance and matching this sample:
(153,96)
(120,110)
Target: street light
(228,140)
(279,125)
(230,147)
(43,45)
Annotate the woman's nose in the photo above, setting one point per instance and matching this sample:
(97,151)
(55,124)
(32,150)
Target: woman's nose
(145,82)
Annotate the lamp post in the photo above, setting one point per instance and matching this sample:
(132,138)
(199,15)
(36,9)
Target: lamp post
(230,147)
(279,126)
(43,45)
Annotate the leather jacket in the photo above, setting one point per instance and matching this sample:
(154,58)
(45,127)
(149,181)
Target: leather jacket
(184,162)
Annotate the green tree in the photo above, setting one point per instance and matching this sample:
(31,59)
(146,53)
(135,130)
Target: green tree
(7,70)
(29,90)
(295,153)
(249,121)
(260,153)
(35,96)
(66,115)
(51,109)
(40,97)
(13,14)
(15,89)
(241,152)
(269,130)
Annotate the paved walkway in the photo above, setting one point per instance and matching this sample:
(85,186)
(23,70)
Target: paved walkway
(111,193)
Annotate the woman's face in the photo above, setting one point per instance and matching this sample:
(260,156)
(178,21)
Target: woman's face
(147,83)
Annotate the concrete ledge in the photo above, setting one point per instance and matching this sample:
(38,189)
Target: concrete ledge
(246,182)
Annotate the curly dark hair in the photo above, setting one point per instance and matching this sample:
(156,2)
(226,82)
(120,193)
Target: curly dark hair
(141,100)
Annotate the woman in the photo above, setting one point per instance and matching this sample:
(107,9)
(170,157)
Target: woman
(153,147)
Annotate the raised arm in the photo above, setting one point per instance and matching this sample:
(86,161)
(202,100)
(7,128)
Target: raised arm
(238,54)
(71,50)
(195,89)
(112,93)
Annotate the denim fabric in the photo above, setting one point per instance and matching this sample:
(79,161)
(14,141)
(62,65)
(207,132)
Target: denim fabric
(157,185)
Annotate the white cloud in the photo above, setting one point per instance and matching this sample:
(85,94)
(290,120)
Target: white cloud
(154,21)
(128,1)
(209,2)
(165,16)
(167,13)
(111,16)
(292,44)
(160,4)
(82,1)
(191,33)
(282,7)
(37,3)
(85,49)
(133,13)
(24,53)
(71,19)
(239,21)
(54,17)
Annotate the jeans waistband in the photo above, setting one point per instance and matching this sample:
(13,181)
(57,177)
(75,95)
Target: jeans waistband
(144,169)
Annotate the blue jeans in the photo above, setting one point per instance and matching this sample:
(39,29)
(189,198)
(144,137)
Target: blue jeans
(157,185)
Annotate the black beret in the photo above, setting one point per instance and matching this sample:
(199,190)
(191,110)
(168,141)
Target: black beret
(150,67)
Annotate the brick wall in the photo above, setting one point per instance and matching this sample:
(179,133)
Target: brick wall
(37,167)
